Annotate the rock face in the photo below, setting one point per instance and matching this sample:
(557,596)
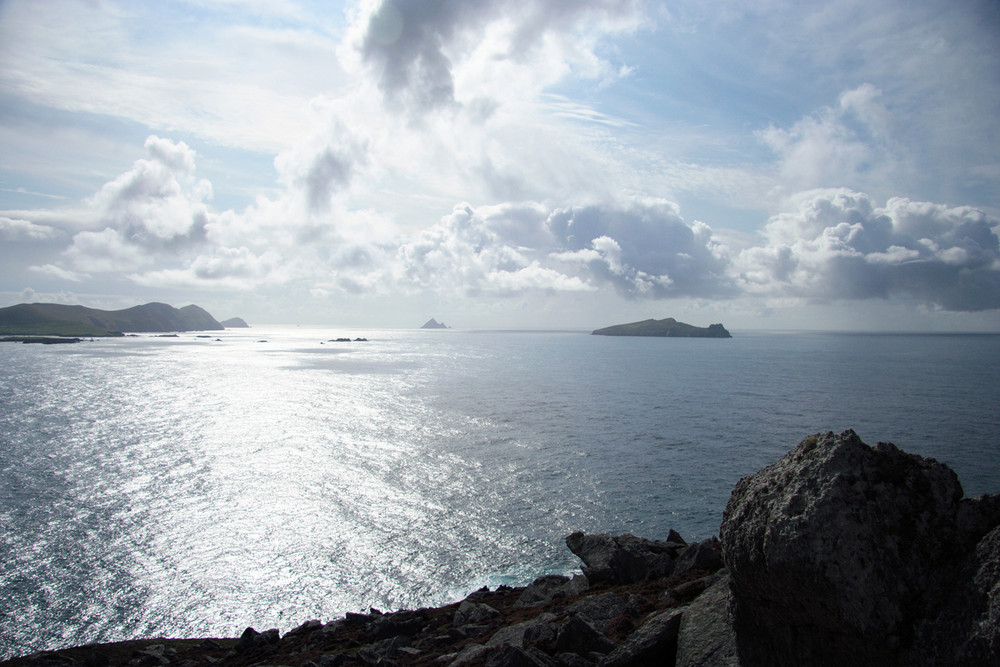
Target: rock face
(841,553)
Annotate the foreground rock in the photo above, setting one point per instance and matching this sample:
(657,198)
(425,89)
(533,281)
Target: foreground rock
(838,554)
(841,553)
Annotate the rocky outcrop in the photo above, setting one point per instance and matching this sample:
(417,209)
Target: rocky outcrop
(841,553)
(837,554)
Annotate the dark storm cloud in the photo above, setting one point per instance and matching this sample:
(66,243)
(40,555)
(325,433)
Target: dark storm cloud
(406,42)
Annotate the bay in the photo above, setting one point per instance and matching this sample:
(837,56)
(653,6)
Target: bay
(192,487)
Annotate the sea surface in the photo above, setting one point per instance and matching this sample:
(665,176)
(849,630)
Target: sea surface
(194,486)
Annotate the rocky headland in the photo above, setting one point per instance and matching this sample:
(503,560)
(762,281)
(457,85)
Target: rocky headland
(666,328)
(837,554)
(54,319)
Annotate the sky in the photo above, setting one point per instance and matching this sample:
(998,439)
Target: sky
(512,164)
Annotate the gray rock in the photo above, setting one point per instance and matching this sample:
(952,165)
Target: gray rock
(600,609)
(381,651)
(473,613)
(578,635)
(549,587)
(705,555)
(653,643)
(305,628)
(832,550)
(966,631)
(513,656)
(470,653)
(706,637)
(535,630)
(621,559)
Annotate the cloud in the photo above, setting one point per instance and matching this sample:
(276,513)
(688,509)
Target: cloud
(839,245)
(225,268)
(417,49)
(837,146)
(642,249)
(13,229)
(157,203)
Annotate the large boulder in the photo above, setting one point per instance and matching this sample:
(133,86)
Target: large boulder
(839,551)
(624,559)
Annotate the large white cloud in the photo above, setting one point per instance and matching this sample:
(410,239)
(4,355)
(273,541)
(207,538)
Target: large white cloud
(838,244)
(641,248)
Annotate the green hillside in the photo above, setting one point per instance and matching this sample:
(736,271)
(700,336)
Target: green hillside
(52,319)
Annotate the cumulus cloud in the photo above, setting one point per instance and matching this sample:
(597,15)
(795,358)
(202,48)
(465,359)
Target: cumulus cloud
(158,202)
(839,245)
(14,229)
(642,249)
(842,146)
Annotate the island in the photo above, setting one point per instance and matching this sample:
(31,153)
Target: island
(235,323)
(668,328)
(434,324)
(53,319)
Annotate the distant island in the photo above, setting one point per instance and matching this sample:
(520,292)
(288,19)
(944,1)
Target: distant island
(53,319)
(668,328)
(235,323)
(434,324)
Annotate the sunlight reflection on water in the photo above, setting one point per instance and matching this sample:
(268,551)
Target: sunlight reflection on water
(184,486)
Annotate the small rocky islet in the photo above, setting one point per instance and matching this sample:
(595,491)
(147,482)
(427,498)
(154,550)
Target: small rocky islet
(837,554)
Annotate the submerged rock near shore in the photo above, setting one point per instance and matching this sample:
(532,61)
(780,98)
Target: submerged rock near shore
(839,553)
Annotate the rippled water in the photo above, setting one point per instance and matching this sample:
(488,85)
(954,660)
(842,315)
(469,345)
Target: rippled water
(191,487)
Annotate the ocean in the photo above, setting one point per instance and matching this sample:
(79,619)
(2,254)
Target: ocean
(194,486)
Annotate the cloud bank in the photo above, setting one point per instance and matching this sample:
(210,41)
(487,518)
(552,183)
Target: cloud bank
(833,244)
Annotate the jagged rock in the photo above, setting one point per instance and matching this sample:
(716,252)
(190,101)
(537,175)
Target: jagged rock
(621,558)
(381,651)
(600,609)
(705,555)
(473,613)
(538,629)
(966,631)
(577,635)
(654,643)
(305,628)
(706,637)
(247,641)
(835,549)
(514,656)
(469,653)
(550,586)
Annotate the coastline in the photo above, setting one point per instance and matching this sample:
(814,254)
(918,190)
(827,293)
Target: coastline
(804,544)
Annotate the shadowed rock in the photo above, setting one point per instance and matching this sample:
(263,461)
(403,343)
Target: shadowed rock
(837,550)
